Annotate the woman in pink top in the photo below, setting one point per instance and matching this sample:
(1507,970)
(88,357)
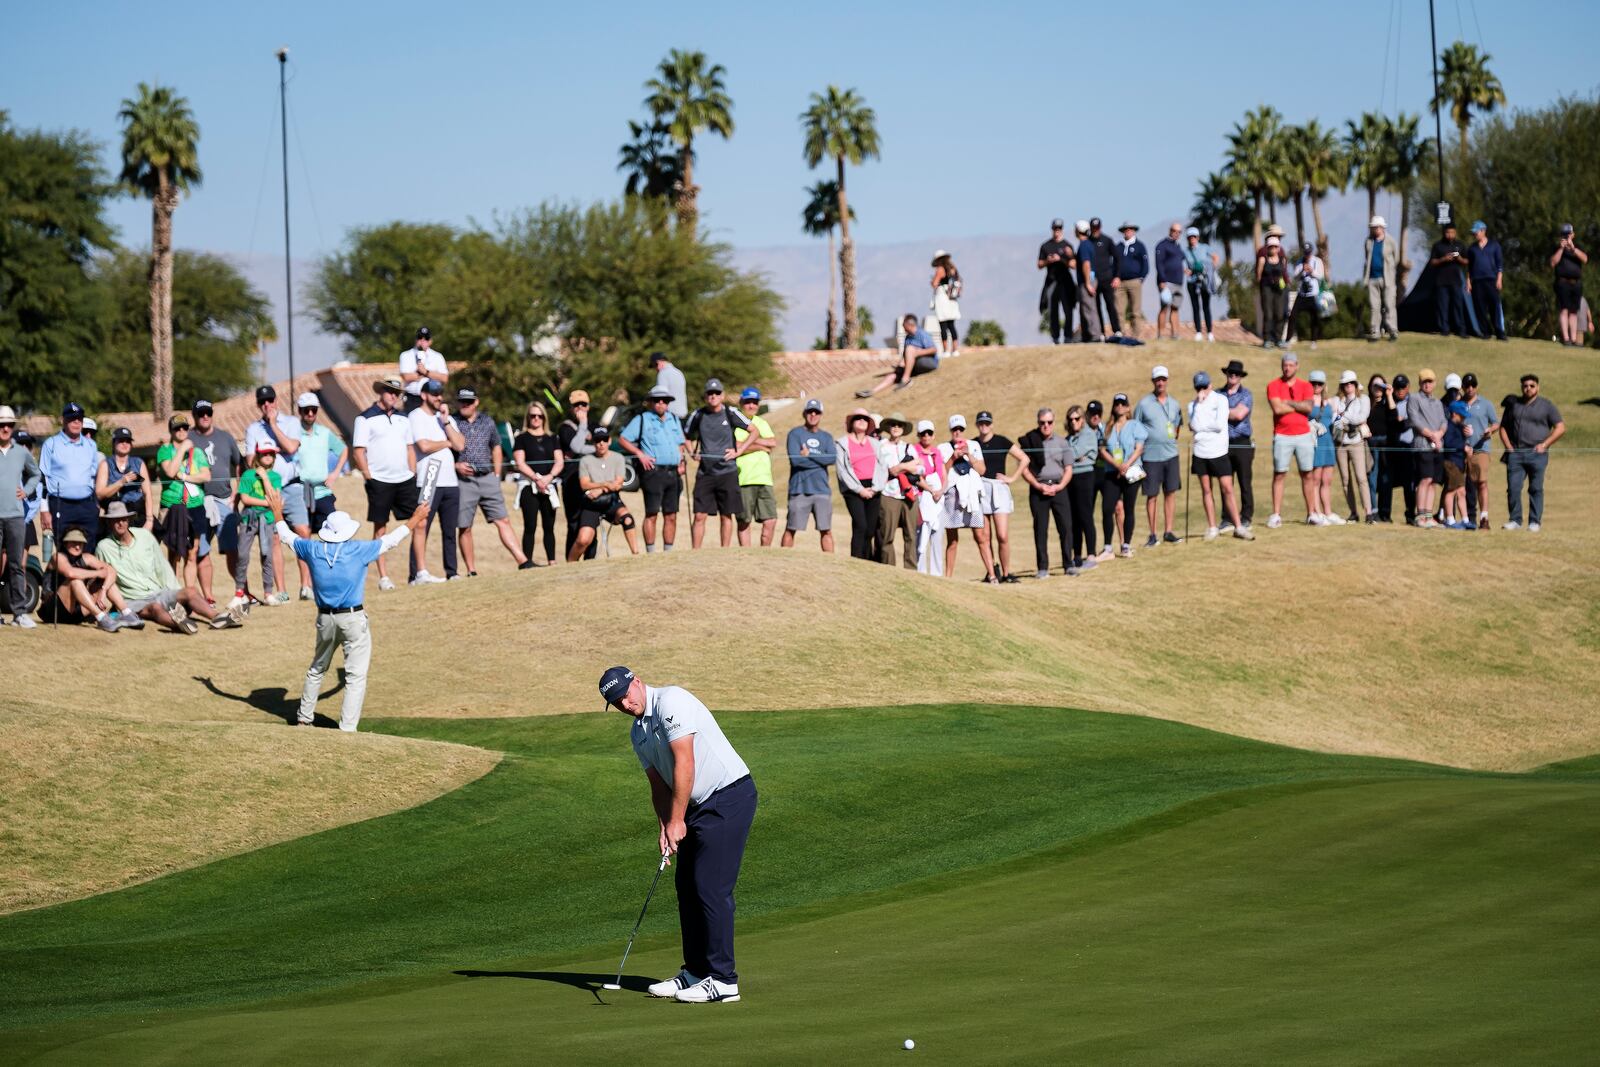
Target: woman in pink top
(862,477)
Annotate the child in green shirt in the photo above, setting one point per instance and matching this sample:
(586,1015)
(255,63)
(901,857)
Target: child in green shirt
(256,523)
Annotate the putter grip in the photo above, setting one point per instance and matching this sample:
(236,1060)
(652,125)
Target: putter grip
(430,478)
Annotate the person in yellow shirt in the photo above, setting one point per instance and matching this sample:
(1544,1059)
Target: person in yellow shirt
(759,502)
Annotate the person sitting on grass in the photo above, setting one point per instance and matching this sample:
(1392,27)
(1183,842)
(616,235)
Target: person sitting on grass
(147,583)
(85,588)
(255,523)
(918,355)
(600,477)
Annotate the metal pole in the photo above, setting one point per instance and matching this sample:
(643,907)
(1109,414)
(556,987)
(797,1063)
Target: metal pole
(1438,126)
(288,272)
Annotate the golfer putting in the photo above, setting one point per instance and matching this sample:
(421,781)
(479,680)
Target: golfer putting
(705,802)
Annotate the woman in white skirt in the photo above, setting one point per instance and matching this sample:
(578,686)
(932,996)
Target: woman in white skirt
(946,285)
(963,498)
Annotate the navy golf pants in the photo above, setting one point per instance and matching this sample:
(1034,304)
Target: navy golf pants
(708,867)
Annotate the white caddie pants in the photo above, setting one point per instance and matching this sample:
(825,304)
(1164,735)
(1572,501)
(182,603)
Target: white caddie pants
(350,632)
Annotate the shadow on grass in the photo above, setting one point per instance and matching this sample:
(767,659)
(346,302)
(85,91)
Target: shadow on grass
(275,700)
(591,983)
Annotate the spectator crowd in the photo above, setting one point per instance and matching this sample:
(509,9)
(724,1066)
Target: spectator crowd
(128,543)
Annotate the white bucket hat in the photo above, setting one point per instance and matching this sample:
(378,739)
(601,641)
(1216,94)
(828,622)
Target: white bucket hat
(1349,377)
(338,528)
(1377,220)
(7,416)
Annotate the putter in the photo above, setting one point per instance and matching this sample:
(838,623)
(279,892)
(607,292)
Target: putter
(1186,483)
(618,983)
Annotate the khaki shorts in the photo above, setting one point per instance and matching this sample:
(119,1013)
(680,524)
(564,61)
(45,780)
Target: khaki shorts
(1478,466)
(1454,477)
(760,503)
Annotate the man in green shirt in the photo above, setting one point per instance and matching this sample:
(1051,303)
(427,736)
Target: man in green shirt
(146,581)
(759,502)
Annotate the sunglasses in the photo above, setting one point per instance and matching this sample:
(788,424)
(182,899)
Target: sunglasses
(1074,418)
(1047,422)
(924,433)
(580,403)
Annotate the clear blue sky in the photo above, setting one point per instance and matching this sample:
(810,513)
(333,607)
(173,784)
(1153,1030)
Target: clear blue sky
(994,116)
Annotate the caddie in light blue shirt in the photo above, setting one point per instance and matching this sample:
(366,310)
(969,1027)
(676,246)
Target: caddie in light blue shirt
(338,567)
(704,802)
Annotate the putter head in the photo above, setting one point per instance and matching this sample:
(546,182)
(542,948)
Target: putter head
(611,985)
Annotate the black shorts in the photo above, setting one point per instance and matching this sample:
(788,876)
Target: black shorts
(385,498)
(1429,465)
(717,494)
(921,365)
(589,517)
(1569,294)
(1162,475)
(662,487)
(1211,468)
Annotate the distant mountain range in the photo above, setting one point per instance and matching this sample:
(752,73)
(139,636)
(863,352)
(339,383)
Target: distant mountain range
(1001,281)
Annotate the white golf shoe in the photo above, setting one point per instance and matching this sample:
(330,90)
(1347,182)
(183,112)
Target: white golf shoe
(708,992)
(1274,521)
(674,985)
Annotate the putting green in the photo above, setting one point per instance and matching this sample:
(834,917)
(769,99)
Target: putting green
(1106,888)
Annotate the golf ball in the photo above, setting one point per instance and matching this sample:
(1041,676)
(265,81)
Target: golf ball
(910,1044)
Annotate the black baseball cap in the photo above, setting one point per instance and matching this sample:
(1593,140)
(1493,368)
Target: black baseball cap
(1094,407)
(1120,398)
(1469,379)
(1094,223)
(265,393)
(466,396)
(597,433)
(1058,224)
(122,433)
(424,334)
(614,684)
(657,357)
(200,407)
(1401,381)
(984,416)
(73,410)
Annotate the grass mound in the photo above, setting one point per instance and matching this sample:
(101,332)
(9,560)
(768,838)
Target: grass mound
(997,883)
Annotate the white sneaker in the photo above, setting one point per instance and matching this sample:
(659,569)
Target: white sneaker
(278,599)
(708,992)
(386,585)
(1211,337)
(1533,527)
(1275,521)
(1512,526)
(239,601)
(1332,520)
(305,592)
(672,986)
(424,578)
(455,578)
(1211,533)
(1315,519)
(24,622)
(1313,346)
(1198,337)
(1244,533)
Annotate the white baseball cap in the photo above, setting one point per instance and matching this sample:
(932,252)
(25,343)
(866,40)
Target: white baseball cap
(90,424)
(958,421)
(1377,220)
(1158,371)
(308,400)
(338,527)
(1452,381)
(924,425)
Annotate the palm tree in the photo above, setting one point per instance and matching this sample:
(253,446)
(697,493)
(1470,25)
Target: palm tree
(159,161)
(1367,145)
(1465,83)
(1408,154)
(1322,167)
(1255,160)
(840,126)
(688,96)
(1296,151)
(820,217)
(1220,214)
(652,167)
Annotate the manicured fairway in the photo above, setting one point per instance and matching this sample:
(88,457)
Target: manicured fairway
(1103,888)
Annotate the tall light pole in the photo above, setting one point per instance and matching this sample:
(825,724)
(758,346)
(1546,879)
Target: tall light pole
(288,272)
(1438,126)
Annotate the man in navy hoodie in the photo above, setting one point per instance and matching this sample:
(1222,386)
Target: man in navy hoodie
(1170,279)
(1133,266)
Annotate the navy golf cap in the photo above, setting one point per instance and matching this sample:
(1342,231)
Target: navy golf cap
(433,387)
(614,684)
(73,410)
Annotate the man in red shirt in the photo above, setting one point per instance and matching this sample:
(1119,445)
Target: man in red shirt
(1290,398)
